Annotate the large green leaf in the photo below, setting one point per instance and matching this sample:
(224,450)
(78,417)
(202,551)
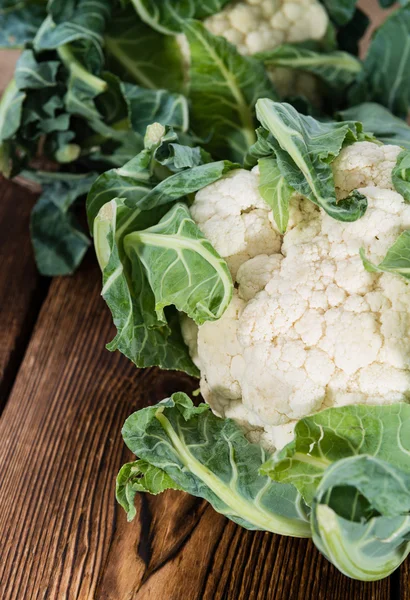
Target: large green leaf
(337,433)
(59,241)
(384,79)
(337,69)
(381,122)
(224,89)
(19,21)
(141,337)
(304,149)
(182,267)
(210,457)
(139,54)
(167,16)
(397,259)
(361,517)
(275,191)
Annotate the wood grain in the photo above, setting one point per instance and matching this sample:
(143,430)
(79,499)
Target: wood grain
(21,289)
(62,535)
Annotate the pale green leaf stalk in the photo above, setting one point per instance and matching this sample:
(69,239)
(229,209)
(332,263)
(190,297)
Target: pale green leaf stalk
(275,191)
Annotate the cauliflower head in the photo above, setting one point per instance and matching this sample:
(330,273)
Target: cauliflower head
(308,326)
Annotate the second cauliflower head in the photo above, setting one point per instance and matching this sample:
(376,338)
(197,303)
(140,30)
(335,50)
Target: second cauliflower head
(308,326)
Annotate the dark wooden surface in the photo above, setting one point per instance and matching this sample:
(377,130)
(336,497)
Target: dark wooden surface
(62,536)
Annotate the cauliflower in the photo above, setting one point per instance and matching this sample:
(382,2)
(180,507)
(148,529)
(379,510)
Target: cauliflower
(258,25)
(308,326)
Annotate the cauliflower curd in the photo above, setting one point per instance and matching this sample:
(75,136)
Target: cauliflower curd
(308,326)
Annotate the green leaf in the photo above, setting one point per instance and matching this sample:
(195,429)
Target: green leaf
(337,69)
(361,517)
(139,54)
(182,267)
(387,62)
(350,34)
(140,476)
(19,22)
(59,242)
(79,21)
(401,175)
(167,16)
(11,106)
(337,433)
(31,74)
(155,106)
(397,259)
(141,337)
(275,191)
(210,457)
(224,87)
(304,149)
(340,11)
(381,122)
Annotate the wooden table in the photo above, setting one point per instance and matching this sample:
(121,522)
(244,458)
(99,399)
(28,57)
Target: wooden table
(64,399)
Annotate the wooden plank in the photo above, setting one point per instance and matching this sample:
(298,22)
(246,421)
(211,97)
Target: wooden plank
(62,534)
(21,289)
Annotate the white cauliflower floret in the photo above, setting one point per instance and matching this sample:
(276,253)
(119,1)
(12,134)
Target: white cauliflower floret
(235,219)
(308,327)
(258,25)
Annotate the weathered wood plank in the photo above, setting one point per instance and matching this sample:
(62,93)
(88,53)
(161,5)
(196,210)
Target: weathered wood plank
(21,289)
(62,535)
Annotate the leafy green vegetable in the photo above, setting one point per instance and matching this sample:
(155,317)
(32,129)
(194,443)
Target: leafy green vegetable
(10,110)
(381,122)
(224,87)
(397,259)
(384,77)
(210,457)
(275,191)
(140,476)
(59,241)
(125,208)
(182,267)
(401,175)
(341,11)
(19,21)
(139,54)
(304,149)
(336,433)
(167,16)
(337,69)
(361,517)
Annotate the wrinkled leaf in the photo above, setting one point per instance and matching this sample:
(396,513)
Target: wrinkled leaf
(10,110)
(304,149)
(140,476)
(337,433)
(182,267)
(59,241)
(210,457)
(361,517)
(31,74)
